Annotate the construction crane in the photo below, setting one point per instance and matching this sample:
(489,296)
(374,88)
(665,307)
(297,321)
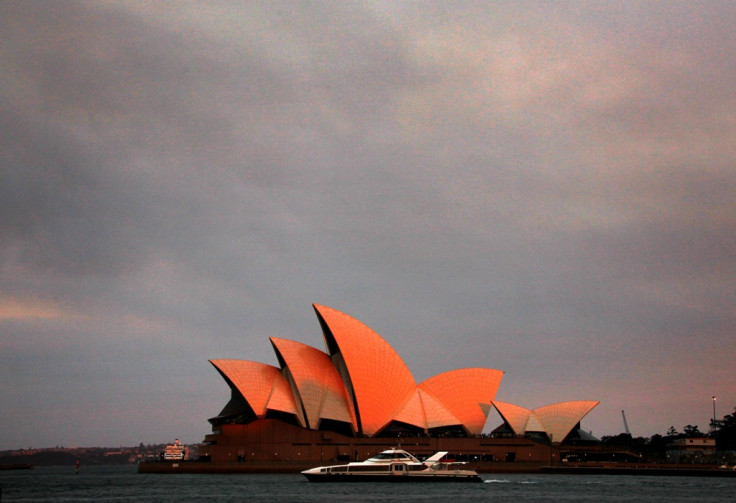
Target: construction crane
(626,425)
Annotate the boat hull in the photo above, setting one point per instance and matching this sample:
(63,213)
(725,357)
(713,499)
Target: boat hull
(394,465)
(388,477)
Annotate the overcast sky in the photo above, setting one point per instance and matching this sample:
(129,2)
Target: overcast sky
(544,188)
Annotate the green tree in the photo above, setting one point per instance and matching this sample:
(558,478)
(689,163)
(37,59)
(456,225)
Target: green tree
(691,431)
(725,432)
(656,447)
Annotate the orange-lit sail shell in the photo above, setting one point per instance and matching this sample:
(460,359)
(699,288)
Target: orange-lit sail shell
(380,383)
(412,412)
(462,390)
(320,389)
(560,418)
(282,399)
(534,424)
(438,415)
(514,415)
(262,386)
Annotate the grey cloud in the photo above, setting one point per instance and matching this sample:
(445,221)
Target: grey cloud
(545,191)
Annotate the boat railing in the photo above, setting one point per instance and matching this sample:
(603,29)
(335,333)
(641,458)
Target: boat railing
(356,468)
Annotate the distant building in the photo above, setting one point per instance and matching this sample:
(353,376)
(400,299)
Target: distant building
(338,403)
(689,450)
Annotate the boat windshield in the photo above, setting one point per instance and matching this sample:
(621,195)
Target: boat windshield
(390,456)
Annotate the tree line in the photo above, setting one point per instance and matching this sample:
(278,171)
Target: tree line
(655,447)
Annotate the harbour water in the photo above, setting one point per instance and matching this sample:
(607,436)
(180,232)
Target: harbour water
(122,484)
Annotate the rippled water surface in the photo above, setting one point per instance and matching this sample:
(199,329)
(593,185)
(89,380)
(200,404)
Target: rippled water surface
(123,484)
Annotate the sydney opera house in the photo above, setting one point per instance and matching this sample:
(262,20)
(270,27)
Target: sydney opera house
(358,397)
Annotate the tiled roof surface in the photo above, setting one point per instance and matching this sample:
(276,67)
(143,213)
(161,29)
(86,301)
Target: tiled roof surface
(462,390)
(559,418)
(515,416)
(381,382)
(256,381)
(320,388)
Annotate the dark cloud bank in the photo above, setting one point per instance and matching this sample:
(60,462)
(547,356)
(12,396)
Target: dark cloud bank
(546,192)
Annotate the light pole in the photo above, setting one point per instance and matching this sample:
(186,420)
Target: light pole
(714,413)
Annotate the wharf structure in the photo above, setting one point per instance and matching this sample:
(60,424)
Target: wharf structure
(358,398)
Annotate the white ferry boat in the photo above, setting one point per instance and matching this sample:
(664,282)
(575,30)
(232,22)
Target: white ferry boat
(394,465)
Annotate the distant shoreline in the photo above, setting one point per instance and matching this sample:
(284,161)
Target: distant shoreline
(60,456)
(480,467)
(643,469)
(16,466)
